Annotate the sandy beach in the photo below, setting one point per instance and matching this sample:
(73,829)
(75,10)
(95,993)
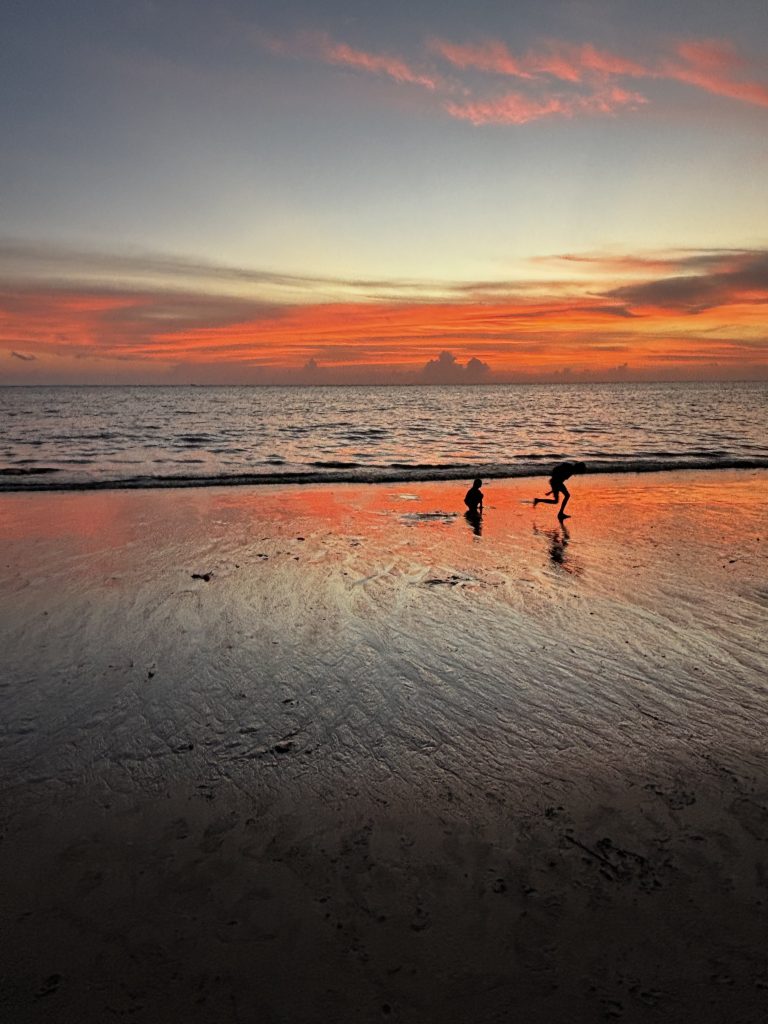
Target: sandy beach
(327,754)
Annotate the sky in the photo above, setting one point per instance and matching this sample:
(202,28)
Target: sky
(341,192)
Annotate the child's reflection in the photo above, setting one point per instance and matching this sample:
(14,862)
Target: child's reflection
(475,519)
(559,538)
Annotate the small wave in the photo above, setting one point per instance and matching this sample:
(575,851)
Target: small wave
(99,435)
(366,433)
(548,457)
(26,471)
(703,453)
(354,473)
(334,465)
(432,466)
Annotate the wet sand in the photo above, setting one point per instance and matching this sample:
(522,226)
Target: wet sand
(324,754)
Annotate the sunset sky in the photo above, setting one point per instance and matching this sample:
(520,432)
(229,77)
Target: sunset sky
(301,192)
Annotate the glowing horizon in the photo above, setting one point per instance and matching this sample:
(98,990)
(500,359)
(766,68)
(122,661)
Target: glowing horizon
(701,311)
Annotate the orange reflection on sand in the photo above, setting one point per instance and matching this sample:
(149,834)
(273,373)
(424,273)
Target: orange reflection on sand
(625,529)
(54,516)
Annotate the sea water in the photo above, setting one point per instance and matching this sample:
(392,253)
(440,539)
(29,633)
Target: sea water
(81,437)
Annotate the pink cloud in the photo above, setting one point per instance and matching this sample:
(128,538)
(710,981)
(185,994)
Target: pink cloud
(564,61)
(710,65)
(557,79)
(714,66)
(558,63)
(321,47)
(340,53)
(511,109)
(579,63)
(715,54)
(490,56)
(516,108)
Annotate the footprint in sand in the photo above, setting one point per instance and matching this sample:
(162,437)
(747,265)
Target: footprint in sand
(49,986)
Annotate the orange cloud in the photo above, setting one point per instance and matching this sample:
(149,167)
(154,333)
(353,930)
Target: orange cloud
(688,312)
(506,336)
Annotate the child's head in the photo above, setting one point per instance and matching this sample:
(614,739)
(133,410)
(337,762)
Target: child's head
(478,482)
(579,467)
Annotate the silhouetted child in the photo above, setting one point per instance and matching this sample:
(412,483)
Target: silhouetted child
(473,499)
(563,471)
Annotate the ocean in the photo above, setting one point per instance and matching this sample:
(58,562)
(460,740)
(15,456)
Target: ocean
(54,438)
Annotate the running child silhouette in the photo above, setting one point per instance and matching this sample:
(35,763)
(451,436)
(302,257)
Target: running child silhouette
(563,471)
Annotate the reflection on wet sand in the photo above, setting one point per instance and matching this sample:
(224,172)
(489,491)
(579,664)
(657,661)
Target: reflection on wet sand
(559,539)
(475,520)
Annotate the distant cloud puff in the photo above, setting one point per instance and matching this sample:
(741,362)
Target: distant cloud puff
(447,370)
(23,357)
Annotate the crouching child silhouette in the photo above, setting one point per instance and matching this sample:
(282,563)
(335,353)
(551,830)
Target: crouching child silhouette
(562,472)
(473,499)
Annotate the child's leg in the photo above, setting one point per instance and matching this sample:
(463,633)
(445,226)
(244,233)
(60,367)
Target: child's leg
(548,501)
(566,498)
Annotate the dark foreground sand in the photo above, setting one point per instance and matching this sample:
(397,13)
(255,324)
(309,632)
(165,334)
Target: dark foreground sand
(379,768)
